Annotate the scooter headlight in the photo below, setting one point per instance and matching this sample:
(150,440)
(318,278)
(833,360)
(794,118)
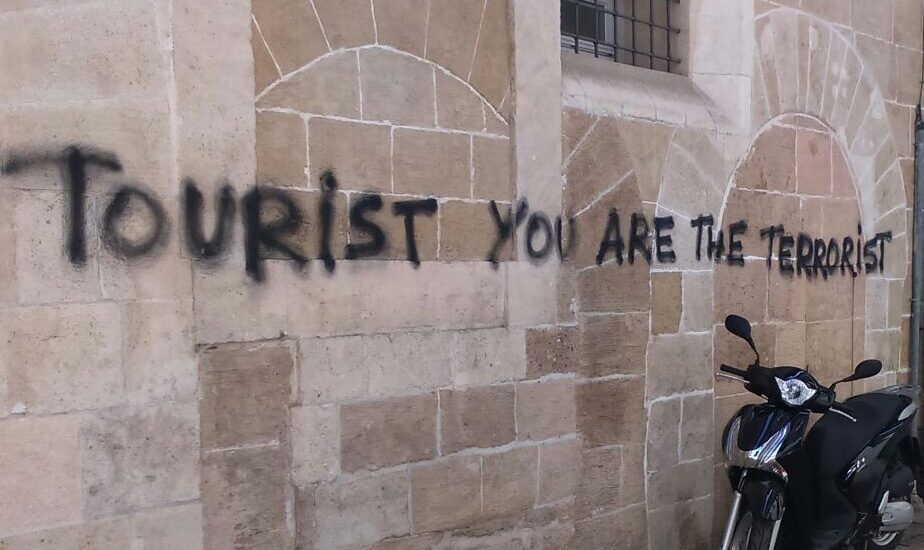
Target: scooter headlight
(794,392)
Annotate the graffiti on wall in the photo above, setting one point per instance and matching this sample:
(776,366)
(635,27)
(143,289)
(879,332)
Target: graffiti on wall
(623,239)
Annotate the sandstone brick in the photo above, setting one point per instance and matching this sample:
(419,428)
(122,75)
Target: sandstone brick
(125,58)
(614,288)
(545,409)
(468,231)
(694,174)
(164,529)
(684,481)
(696,427)
(786,299)
(387,432)
(771,162)
(629,525)
(315,444)
(667,352)
(402,24)
(878,55)
(63,358)
(476,417)
(7,249)
(552,350)
(558,475)
(44,273)
(666,302)
(611,411)
(425,231)
(906,23)
(599,163)
(397,88)
(143,458)
(281,149)
(244,499)
(245,393)
(575,124)
(292,32)
(446,494)
(358,154)
(664,433)
(333,369)
(491,71)
(40,483)
(232,307)
(813,157)
(158,347)
(328,87)
(305,239)
(697,301)
(264,68)
(432,163)
(509,481)
(488,356)
(457,106)
(649,150)
(613,344)
(790,344)
(356,512)
(346,23)
(491,170)
(829,353)
(685,526)
(452,34)
(742,290)
(625,199)
(600,486)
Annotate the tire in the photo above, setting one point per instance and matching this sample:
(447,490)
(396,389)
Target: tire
(886,542)
(752,533)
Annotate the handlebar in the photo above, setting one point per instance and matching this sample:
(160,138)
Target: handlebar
(732,370)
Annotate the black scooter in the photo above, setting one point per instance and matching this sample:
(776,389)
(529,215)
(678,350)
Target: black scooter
(847,485)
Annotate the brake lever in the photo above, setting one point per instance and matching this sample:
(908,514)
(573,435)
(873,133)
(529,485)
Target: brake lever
(842,413)
(730,376)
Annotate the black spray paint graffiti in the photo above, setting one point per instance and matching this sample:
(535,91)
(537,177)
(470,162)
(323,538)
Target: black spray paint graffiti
(799,254)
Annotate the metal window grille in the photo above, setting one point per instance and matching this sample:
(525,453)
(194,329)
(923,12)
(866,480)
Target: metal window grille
(634,32)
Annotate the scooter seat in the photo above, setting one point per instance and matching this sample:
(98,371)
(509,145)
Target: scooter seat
(835,441)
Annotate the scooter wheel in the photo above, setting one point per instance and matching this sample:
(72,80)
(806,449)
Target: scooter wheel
(752,533)
(885,541)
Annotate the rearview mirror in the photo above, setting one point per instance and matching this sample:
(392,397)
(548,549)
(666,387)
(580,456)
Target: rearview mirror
(866,369)
(741,327)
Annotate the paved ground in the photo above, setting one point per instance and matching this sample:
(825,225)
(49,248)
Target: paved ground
(916,540)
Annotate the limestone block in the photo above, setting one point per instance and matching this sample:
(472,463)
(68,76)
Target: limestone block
(358,154)
(845,89)
(790,344)
(551,350)
(244,502)
(906,24)
(468,231)
(291,30)
(679,363)
(599,163)
(771,162)
(488,356)
(697,301)
(491,169)
(613,344)
(63,358)
(281,149)
(356,512)
(648,149)
(879,58)
(265,70)
(328,87)
(139,458)
(245,391)
(315,444)
(611,411)
(333,369)
(397,88)
(600,485)
(696,427)
(533,296)
(457,106)
(384,433)
(490,71)
(158,347)
(741,290)
(614,288)
(402,24)
(476,417)
(7,248)
(346,23)
(820,40)
(685,481)
(684,525)
(452,34)
(861,103)
(835,67)
(395,247)
(664,433)
(446,494)
(305,239)
(124,58)
(591,222)
(829,355)
(40,480)
(432,163)
(834,11)
(630,524)
(575,126)
(232,307)
(813,158)
(545,409)
(356,299)
(666,302)
(509,481)
(408,362)
(558,474)
(44,272)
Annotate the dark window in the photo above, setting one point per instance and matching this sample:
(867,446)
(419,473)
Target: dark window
(635,32)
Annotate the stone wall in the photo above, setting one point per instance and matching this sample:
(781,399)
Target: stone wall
(390,342)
